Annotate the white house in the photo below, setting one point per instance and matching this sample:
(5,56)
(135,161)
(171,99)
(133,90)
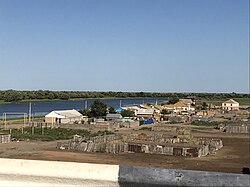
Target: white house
(63,116)
(111,117)
(230,105)
(146,113)
(187,101)
(180,107)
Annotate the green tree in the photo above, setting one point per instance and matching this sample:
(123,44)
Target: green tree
(85,112)
(127,113)
(98,108)
(204,106)
(164,111)
(173,100)
(12,96)
(112,110)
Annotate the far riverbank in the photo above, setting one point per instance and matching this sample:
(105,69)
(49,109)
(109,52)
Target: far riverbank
(73,99)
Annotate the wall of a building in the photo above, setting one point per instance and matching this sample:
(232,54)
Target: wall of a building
(49,120)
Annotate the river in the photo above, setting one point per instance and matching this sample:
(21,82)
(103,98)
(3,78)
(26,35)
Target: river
(42,108)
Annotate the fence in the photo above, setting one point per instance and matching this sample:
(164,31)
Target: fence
(117,144)
(5,138)
(238,129)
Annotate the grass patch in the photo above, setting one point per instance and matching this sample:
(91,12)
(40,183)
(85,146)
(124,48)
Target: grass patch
(195,129)
(218,102)
(50,134)
(243,101)
(146,128)
(204,123)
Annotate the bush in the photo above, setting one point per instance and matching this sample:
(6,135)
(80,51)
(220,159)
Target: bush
(47,134)
(127,113)
(204,123)
(146,128)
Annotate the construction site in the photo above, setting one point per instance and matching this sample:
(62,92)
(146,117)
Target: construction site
(184,144)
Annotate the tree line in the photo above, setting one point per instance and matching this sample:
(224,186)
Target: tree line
(16,95)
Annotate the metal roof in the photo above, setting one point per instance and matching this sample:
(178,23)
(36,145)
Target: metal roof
(114,116)
(64,114)
(231,101)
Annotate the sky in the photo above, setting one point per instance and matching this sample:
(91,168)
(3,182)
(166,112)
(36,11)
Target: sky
(125,45)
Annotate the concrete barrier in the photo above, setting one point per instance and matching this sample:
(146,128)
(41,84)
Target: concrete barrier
(173,177)
(18,172)
(52,173)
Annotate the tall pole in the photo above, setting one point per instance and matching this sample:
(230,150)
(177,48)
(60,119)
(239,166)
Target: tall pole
(86,104)
(23,120)
(5,122)
(3,118)
(29,113)
(120,103)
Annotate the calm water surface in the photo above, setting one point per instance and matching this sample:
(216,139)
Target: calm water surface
(42,108)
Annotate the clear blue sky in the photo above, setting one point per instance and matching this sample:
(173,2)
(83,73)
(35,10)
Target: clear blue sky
(125,45)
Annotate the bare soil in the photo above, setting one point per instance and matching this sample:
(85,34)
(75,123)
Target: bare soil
(231,158)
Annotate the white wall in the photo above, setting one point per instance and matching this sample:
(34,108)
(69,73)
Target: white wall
(54,169)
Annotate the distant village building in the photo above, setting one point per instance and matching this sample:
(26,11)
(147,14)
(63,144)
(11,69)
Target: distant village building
(187,101)
(230,105)
(151,107)
(205,113)
(180,106)
(64,117)
(145,113)
(119,110)
(132,108)
(114,117)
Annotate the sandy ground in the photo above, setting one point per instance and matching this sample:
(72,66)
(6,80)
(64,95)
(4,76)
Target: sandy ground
(231,158)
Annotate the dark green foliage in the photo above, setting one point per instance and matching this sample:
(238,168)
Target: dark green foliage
(50,134)
(146,128)
(204,106)
(111,110)
(204,123)
(101,133)
(15,95)
(127,113)
(98,109)
(164,111)
(173,100)
(85,112)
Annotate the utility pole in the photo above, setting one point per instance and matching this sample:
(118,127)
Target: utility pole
(86,105)
(29,112)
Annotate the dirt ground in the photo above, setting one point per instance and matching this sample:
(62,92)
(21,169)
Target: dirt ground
(231,158)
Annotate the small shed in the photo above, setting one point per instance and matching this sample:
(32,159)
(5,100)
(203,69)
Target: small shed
(5,138)
(119,110)
(112,117)
(145,113)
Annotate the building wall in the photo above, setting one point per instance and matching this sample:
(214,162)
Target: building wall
(63,121)
(71,120)
(49,120)
(229,106)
